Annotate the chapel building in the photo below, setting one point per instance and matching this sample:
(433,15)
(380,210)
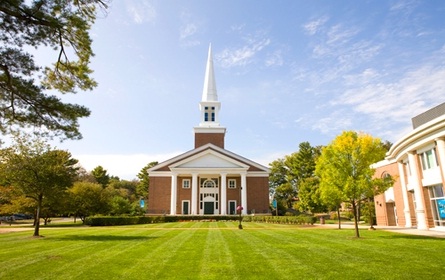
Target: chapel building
(208,180)
(417,163)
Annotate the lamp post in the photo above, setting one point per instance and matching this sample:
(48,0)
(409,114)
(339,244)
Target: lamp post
(240,209)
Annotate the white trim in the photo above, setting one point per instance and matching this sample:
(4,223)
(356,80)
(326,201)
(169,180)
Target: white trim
(426,148)
(219,150)
(189,183)
(234,183)
(228,206)
(419,137)
(182,207)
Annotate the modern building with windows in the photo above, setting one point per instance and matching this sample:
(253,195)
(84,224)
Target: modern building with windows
(417,162)
(208,180)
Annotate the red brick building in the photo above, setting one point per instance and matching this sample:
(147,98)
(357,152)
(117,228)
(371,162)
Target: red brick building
(208,180)
(417,162)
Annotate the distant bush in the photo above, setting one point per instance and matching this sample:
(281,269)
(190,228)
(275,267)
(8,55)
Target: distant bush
(293,220)
(134,220)
(346,216)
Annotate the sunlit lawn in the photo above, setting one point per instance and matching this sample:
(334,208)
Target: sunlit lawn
(211,250)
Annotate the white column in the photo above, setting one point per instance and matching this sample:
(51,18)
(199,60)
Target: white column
(244,193)
(223,202)
(418,191)
(441,151)
(194,194)
(406,211)
(173,194)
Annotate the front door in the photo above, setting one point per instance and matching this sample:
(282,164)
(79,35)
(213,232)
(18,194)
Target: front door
(209,207)
(232,207)
(185,207)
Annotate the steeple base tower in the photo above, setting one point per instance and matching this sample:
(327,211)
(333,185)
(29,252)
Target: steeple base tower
(213,135)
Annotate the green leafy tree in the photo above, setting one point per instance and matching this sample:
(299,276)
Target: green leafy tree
(62,26)
(39,171)
(86,199)
(345,167)
(144,180)
(309,197)
(101,176)
(13,200)
(293,174)
(120,206)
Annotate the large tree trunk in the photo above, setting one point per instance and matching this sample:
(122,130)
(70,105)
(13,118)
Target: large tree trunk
(354,209)
(37,220)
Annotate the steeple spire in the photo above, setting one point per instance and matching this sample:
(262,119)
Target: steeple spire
(209,129)
(209,90)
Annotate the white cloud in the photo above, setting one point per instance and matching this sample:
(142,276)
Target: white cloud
(334,123)
(338,34)
(275,59)
(187,30)
(141,12)
(242,56)
(314,26)
(124,166)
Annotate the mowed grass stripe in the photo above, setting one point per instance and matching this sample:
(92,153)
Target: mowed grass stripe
(70,254)
(352,255)
(218,250)
(163,257)
(111,254)
(216,261)
(39,253)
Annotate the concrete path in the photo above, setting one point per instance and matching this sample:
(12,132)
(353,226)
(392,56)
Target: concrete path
(413,231)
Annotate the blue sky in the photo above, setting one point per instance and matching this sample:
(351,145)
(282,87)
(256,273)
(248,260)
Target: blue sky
(286,72)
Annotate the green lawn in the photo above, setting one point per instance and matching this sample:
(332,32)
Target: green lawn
(211,250)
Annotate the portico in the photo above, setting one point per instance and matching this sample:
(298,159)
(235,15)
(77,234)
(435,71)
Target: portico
(208,193)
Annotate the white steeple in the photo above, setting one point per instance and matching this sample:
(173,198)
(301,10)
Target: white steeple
(209,105)
(209,129)
(209,90)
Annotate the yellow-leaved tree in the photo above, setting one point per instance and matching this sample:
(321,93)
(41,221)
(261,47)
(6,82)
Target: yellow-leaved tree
(345,171)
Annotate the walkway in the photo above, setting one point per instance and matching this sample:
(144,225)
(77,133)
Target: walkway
(412,231)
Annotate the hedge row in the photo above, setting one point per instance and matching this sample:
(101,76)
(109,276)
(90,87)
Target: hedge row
(134,220)
(292,220)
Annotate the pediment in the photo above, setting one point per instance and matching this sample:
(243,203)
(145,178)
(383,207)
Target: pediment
(209,159)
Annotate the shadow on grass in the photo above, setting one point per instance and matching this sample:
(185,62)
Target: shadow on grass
(104,238)
(411,236)
(63,225)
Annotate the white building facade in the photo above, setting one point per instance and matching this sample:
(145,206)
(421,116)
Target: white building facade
(417,162)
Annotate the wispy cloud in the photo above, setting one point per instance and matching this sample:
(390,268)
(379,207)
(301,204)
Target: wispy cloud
(385,104)
(242,56)
(275,59)
(338,121)
(314,26)
(141,12)
(188,30)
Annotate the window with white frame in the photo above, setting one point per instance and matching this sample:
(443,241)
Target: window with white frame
(186,183)
(232,183)
(428,159)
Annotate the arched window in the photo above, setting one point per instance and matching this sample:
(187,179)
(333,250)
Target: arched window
(208,184)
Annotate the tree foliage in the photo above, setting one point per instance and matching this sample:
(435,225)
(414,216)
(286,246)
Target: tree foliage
(101,176)
(345,172)
(293,176)
(37,171)
(144,180)
(61,26)
(86,199)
